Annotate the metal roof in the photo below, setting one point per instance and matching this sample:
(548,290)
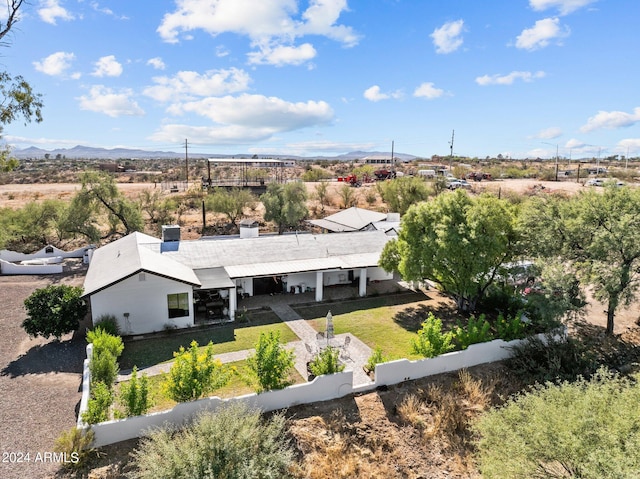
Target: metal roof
(214,278)
(351,219)
(125,257)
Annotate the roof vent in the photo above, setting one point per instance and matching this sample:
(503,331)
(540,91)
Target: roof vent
(249,228)
(170,233)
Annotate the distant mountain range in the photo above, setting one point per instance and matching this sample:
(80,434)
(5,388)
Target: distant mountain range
(87,152)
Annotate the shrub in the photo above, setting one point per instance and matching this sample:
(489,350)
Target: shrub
(271,364)
(54,311)
(104,368)
(75,444)
(104,341)
(99,404)
(511,328)
(109,324)
(475,331)
(431,341)
(194,374)
(231,443)
(376,358)
(587,429)
(551,359)
(134,395)
(326,361)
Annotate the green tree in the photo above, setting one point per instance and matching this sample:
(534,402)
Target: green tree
(326,362)
(271,365)
(585,429)
(347,195)
(285,205)
(431,341)
(457,241)
(322,195)
(231,203)
(195,373)
(596,235)
(99,404)
(401,193)
(233,442)
(54,311)
(134,395)
(100,193)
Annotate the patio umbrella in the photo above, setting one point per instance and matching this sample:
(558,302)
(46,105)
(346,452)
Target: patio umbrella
(329,332)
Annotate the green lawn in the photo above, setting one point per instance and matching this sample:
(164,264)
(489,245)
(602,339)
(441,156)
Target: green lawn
(226,338)
(237,386)
(388,322)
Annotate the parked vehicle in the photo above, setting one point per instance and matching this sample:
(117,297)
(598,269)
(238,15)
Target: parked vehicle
(455,184)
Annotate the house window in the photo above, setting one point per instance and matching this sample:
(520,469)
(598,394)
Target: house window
(178,305)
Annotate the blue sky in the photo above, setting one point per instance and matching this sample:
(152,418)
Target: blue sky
(521,78)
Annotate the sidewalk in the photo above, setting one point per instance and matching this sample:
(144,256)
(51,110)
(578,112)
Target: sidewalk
(356,355)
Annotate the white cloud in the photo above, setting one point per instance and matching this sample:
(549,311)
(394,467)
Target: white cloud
(375,94)
(508,79)
(548,133)
(631,145)
(541,34)
(269,24)
(55,64)
(448,38)
(51,10)
(268,114)
(221,51)
(574,143)
(428,90)
(283,55)
(157,63)
(564,6)
(112,103)
(107,67)
(189,84)
(611,120)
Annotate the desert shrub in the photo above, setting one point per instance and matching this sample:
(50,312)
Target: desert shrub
(316,174)
(551,359)
(54,311)
(231,443)
(108,323)
(99,404)
(76,445)
(271,364)
(431,341)
(194,374)
(510,328)
(104,341)
(104,368)
(475,331)
(377,357)
(134,395)
(326,361)
(587,429)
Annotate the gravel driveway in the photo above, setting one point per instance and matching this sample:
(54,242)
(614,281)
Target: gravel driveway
(39,381)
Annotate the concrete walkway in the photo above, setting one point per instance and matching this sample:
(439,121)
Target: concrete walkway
(355,356)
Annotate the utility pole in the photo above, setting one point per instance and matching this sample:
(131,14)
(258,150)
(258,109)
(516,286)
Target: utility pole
(453,132)
(186,162)
(393,162)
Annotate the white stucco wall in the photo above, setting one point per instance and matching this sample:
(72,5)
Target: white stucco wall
(338,277)
(296,279)
(378,274)
(145,301)
(246,284)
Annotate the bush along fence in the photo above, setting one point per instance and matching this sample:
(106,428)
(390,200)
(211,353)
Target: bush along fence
(322,388)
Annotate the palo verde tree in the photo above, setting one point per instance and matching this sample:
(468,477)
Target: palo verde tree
(54,311)
(231,203)
(401,193)
(285,205)
(457,241)
(595,234)
(100,194)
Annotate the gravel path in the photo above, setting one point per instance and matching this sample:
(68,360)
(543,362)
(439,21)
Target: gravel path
(39,382)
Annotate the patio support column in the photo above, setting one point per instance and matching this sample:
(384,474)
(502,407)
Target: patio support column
(232,303)
(363,282)
(319,280)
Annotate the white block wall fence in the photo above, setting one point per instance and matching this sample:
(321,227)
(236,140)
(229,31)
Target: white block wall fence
(322,388)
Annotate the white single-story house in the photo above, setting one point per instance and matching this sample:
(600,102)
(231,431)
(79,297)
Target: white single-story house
(359,219)
(150,284)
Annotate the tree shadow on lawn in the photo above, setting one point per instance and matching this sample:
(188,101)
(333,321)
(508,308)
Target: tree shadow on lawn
(411,318)
(52,357)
